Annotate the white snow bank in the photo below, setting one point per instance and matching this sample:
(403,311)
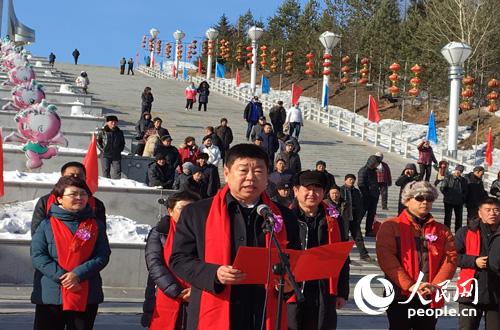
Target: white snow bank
(15,223)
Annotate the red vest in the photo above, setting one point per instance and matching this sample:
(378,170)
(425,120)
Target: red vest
(472,248)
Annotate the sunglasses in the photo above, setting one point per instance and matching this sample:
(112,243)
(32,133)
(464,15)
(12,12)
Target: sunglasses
(421,198)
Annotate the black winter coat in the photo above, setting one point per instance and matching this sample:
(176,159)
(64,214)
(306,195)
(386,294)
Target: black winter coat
(475,191)
(180,181)
(211,178)
(484,276)
(203,93)
(159,274)
(367,179)
(277,114)
(147,102)
(326,307)
(161,175)
(354,210)
(330,181)
(401,182)
(188,255)
(199,188)
(141,127)
(292,161)
(40,212)
(225,134)
(495,188)
(494,266)
(170,153)
(270,145)
(111,142)
(454,189)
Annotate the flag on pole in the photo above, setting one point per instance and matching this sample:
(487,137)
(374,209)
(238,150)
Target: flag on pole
(296,92)
(238,77)
(326,90)
(174,71)
(431,129)
(488,158)
(265,88)
(153,61)
(200,68)
(91,165)
(184,73)
(1,164)
(161,65)
(373,114)
(220,70)
(137,58)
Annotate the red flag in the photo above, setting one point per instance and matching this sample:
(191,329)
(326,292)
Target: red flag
(153,61)
(200,68)
(238,77)
(1,164)
(91,165)
(373,114)
(489,149)
(296,92)
(173,70)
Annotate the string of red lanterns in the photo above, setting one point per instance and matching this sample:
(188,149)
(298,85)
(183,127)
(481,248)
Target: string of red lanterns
(210,47)
(263,56)
(274,60)
(143,42)
(179,51)
(309,64)
(158,47)
(289,62)
(327,62)
(365,63)
(415,80)
(192,49)
(249,55)
(151,44)
(394,77)
(467,93)
(345,70)
(493,95)
(239,52)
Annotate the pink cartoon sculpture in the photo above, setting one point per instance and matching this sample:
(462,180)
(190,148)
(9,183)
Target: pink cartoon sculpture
(12,60)
(25,95)
(20,75)
(39,129)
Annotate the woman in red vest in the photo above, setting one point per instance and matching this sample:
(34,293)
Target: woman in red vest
(412,244)
(68,250)
(165,306)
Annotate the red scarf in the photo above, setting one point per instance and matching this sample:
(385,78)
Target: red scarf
(167,308)
(472,248)
(409,253)
(53,200)
(333,237)
(72,251)
(215,308)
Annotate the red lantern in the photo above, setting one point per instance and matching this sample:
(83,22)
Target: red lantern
(413,92)
(363,81)
(346,59)
(326,72)
(395,67)
(416,69)
(394,90)
(249,62)
(327,56)
(492,108)
(467,93)
(309,72)
(249,48)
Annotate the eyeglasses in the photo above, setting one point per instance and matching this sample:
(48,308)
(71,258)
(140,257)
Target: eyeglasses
(421,198)
(75,195)
(494,211)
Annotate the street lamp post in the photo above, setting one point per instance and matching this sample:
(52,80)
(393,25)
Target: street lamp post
(328,40)
(154,33)
(254,33)
(178,36)
(455,53)
(211,35)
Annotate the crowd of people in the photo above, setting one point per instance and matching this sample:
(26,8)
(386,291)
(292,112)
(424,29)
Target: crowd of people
(190,252)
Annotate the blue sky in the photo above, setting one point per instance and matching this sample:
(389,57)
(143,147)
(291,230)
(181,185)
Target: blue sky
(106,30)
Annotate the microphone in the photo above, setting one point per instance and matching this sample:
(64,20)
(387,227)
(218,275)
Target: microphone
(264,211)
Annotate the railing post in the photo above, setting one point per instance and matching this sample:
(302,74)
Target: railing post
(376,135)
(350,126)
(339,122)
(407,141)
(329,119)
(363,127)
(318,111)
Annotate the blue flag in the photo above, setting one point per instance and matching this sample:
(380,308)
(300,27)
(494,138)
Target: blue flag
(324,102)
(431,129)
(161,66)
(265,85)
(220,70)
(184,73)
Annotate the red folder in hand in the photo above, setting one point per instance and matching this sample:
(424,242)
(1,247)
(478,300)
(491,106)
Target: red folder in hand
(313,264)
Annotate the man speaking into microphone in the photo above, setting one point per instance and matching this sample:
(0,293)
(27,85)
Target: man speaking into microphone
(207,239)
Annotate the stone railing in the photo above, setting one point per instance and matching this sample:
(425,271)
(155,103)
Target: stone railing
(312,110)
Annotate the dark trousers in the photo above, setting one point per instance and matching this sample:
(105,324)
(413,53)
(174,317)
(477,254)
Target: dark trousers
(52,317)
(204,106)
(469,321)
(111,168)
(370,204)
(140,148)
(277,127)
(357,236)
(122,69)
(130,69)
(189,103)
(384,189)
(76,59)
(249,129)
(294,129)
(313,314)
(458,209)
(472,212)
(397,314)
(425,170)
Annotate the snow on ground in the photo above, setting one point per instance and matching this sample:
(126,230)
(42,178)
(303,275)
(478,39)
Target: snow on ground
(16,176)
(15,223)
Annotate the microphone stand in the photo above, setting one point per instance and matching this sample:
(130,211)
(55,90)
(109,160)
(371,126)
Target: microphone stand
(282,268)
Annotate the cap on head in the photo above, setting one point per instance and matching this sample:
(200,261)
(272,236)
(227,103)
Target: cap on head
(308,178)
(111,118)
(166,138)
(320,162)
(195,169)
(478,169)
(459,168)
